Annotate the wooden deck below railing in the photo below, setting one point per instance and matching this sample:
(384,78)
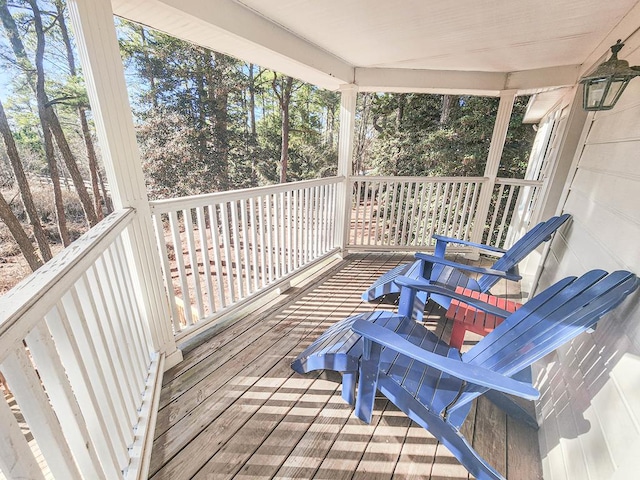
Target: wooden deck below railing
(235,409)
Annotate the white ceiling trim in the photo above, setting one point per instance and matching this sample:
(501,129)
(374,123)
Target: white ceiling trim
(457,82)
(226,27)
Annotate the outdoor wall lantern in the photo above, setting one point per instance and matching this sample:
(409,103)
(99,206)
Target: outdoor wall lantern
(603,87)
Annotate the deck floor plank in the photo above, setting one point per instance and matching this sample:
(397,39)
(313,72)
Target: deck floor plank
(235,409)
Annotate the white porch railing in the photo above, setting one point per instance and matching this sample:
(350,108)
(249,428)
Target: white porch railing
(79,364)
(402,213)
(513,207)
(220,250)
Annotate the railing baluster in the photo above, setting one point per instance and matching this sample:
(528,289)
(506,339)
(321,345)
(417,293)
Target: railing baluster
(420,221)
(332,214)
(371,196)
(507,208)
(456,196)
(56,383)
(404,206)
(426,240)
(35,407)
(193,260)
(442,206)
(398,213)
(215,240)
(494,217)
(392,217)
(263,254)
(16,457)
(123,305)
(182,274)
(226,245)
(245,246)
(94,356)
(133,372)
(141,334)
(204,253)
(275,233)
(356,205)
(435,214)
(236,242)
(281,235)
(289,233)
(269,215)
(308,229)
(91,295)
(320,221)
(166,269)
(411,229)
(254,244)
(91,403)
(473,210)
(296,228)
(314,222)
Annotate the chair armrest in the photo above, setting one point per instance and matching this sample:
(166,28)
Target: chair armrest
(430,288)
(488,248)
(457,368)
(469,268)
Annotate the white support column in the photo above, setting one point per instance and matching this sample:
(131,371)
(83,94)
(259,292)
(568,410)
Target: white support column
(494,156)
(104,76)
(349,95)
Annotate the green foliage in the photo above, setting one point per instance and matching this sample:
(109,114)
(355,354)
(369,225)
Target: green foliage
(205,98)
(434,135)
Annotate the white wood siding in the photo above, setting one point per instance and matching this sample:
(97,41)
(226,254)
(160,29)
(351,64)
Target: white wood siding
(590,404)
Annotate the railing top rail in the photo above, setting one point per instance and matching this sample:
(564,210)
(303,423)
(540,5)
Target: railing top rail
(376,178)
(194,201)
(519,181)
(32,298)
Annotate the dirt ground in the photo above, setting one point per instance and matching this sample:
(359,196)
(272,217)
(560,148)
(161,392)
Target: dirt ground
(12,270)
(13,267)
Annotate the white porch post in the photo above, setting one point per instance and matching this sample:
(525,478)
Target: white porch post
(349,94)
(494,156)
(104,76)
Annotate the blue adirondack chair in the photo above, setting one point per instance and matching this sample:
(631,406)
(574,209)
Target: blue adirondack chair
(445,273)
(434,384)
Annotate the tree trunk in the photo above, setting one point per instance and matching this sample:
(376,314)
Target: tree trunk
(25,245)
(219,98)
(23,185)
(38,87)
(93,162)
(82,115)
(447,105)
(284,147)
(48,117)
(150,76)
(361,136)
(252,104)
(284,99)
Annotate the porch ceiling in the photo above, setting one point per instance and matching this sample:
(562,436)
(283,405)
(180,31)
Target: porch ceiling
(410,45)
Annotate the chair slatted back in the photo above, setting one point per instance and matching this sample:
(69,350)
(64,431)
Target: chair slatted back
(523,247)
(550,319)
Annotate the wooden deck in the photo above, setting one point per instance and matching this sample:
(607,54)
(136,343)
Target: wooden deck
(235,409)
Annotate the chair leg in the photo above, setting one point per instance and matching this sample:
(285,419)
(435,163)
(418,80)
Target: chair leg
(367,380)
(457,335)
(349,387)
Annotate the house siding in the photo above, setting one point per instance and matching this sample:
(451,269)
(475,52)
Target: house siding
(589,408)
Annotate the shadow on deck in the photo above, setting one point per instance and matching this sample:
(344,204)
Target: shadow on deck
(235,409)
